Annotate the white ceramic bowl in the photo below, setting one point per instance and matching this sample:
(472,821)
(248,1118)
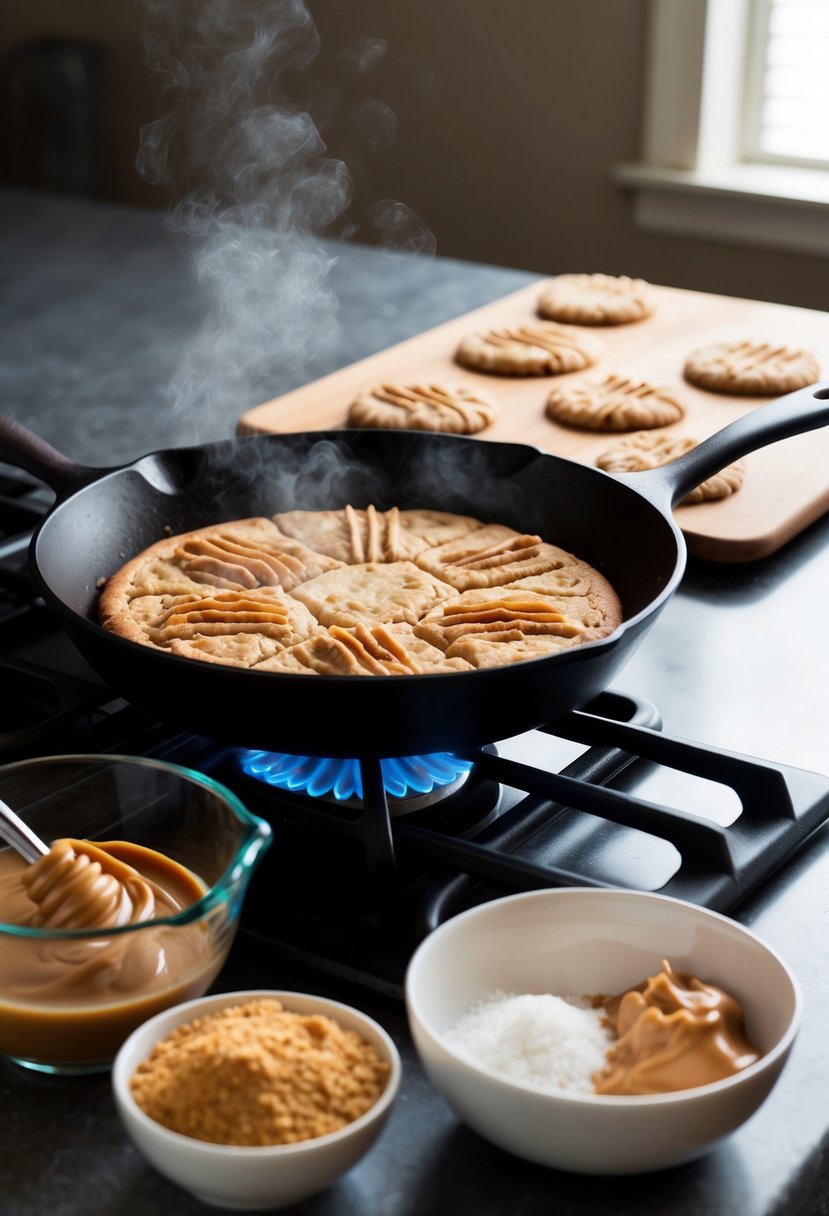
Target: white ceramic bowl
(583,941)
(231,1176)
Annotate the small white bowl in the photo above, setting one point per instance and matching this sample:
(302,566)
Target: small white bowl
(227,1175)
(582,941)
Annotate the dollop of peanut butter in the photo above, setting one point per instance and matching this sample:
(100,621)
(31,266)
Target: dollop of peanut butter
(72,1000)
(78,886)
(92,888)
(674,1032)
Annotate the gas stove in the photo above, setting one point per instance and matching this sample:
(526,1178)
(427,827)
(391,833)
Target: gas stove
(370,855)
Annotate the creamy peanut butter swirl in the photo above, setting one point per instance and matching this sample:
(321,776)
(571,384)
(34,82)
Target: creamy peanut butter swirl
(675,1032)
(225,612)
(516,549)
(226,560)
(357,652)
(74,996)
(374,535)
(77,886)
(375,650)
(518,616)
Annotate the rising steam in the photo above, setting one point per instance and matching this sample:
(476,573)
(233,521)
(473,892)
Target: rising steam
(255,190)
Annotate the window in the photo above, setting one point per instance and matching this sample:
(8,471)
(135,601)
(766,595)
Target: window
(787,101)
(735,143)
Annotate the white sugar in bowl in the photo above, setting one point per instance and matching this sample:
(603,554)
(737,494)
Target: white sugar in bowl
(581,942)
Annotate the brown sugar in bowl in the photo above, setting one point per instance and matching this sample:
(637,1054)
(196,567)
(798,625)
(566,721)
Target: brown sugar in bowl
(254,1176)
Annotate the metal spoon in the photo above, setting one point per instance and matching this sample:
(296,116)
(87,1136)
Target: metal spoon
(19,835)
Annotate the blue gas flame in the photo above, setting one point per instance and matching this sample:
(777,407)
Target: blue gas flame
(342,778)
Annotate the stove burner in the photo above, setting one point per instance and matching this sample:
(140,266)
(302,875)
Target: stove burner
(411,777)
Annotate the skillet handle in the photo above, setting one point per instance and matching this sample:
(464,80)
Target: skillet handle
(804,410)
(22,449)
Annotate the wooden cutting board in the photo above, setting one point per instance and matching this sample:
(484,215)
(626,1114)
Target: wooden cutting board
(786,486)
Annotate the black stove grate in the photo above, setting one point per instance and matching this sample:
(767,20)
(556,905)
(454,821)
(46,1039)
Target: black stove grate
(717,866)
(23,503)
(46,687)
(527,845)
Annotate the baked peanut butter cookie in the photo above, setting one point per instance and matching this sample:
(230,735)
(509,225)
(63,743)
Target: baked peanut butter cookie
(613,404)
(752,369)
(649,451)
(538,348)
(595,299)
(358,592)
(452,408)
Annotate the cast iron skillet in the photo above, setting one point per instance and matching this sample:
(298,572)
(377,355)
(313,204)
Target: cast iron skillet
(620,524)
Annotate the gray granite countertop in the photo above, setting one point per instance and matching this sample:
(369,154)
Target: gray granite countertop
(97,305)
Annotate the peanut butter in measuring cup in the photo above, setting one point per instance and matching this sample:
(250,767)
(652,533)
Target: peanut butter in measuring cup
(83,957)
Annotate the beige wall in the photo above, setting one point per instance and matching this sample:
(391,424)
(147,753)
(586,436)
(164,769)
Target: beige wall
(510,112)
(509,115)
(117,24)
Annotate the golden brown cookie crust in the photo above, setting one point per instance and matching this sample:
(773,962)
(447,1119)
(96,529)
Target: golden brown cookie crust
(613,404)
(451,408)
(595,299)
(537,348)
(649,451)
(753,369)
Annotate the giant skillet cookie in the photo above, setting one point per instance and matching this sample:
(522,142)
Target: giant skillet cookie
(359,592)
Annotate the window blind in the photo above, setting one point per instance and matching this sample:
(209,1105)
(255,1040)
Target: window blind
(793,117)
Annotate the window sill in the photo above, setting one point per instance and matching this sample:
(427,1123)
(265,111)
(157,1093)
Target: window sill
(766,206)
